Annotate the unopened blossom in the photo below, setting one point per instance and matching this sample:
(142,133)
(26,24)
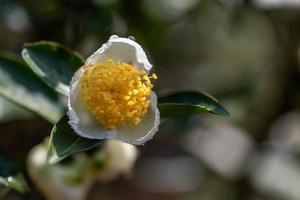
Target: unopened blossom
(111,95)
(59,181)
(118,159)
(73,179)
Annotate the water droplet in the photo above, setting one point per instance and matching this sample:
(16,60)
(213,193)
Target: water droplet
(131,38)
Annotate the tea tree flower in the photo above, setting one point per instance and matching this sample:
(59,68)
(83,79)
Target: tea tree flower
(111,95)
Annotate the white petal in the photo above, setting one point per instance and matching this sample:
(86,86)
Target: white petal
(145,130)
(123,50)
(80,119)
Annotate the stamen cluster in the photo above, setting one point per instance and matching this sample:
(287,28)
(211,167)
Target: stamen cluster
(116,93)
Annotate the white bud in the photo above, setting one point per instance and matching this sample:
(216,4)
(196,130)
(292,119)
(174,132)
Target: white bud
(120,158)
(52,180)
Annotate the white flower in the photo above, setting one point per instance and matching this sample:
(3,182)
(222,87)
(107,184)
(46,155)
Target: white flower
(111,95)
(119,158)
(58,181)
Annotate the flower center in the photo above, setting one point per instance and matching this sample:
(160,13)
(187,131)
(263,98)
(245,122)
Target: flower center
(116,93)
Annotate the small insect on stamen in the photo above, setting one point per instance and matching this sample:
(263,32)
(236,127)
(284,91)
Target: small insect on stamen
(154,76)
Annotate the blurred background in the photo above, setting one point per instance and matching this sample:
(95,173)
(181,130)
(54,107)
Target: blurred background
(244,53)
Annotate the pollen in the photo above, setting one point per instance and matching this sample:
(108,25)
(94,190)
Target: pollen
(116,93)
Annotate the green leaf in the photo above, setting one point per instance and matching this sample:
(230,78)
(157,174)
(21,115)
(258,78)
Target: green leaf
(65,142)
(187,103)
(20,85)
(10,176)
(53,63)
(11,111)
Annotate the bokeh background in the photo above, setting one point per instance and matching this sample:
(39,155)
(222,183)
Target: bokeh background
(245,53)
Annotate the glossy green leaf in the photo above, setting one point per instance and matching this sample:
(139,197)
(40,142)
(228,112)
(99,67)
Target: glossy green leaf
(10,176)
(20,85)
(187,103)
(65,142)
(53,63)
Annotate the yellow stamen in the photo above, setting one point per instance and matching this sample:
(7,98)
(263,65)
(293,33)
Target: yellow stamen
(116,93)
